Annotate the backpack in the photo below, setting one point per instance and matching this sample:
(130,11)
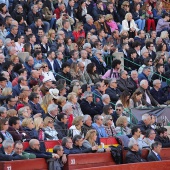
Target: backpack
(116,153)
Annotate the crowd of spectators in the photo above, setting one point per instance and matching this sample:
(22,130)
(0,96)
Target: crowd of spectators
(56,81)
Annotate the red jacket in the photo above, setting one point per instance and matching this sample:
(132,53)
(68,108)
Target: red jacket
(78,34)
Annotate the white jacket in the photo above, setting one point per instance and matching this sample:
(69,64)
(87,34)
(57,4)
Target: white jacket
(125,25)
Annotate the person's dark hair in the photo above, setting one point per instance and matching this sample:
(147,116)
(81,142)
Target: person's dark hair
(160,47)
(65,64)
(66,40)
(36,19)
(19,18)
(123,37)
(49,52)
(90,67)
(59,45)
(72,52)
(119,105)
(27,47)
(158,66)
(32,96)
(6,65)
(131,51)
(123,99)
(135,6)
(17,67)
(106,109)
(1,6)
(61,116)
(148,44)
(161,130)
(27,28)
(30,36)
(115,63)
(13,120)
(37,52)
(155,145)
(9,98)
(137,92)
(136,44)
(134,129)
(146,61)
(61,81)
(22,70)
(76,138)
(96,43)
(165,15)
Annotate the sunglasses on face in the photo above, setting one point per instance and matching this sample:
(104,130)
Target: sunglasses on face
(118,110)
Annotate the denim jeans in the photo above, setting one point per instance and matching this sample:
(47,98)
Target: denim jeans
(140,23)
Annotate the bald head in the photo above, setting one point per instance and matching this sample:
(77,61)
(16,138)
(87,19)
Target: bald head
(33,142)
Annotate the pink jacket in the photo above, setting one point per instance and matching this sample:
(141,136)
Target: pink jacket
(112,25)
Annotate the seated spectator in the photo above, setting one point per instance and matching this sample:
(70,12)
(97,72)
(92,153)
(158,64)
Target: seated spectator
(131,28)
(87,124)
(157,92)
(109,125)
(145,123)
(90,141)
(115,71)
(121,126)
(124,99)
(132,155)
(72,99)
(147,98)
(11,113)
(118,112)
(149,137)
(65,73)
(10,102)
(34,103)
(4,134)
(135,100)
(87,105)
(124,82)
(16,131)
(46,101)
(74,71)
(113,91)
(6,151)
(34,148)
(138,137)
(50,132)
(98,125)
(154,153)
(91,70)
(67,145)
(79,31)
(61,125)
(76,128)
(52,111)
(107,110)
(78,146)
(19,149)
(145,73)
(29,128)
(163,24)
(97,93)
(3,112)
(110,23)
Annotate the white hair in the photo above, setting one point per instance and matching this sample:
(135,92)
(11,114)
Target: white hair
(104,96)
(131,143)
(156,82)
(143,82)
(7,143)
(66,107)
(85,118)
(52,107)
(145,116)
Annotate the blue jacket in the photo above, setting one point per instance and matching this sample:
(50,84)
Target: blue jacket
(142,41)
(16,90)
(36,108)
(68,34)
(142,76)
(28,68)
(100,131)
(88,27)
(55,65)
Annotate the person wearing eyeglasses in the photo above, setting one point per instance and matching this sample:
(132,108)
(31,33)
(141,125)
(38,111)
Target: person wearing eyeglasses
(133,155)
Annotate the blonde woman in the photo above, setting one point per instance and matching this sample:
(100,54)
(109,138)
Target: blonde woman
(121,126)
(165,37)
(14,59)
(72,99)
(75,71)
(50,132)
(111,23)
(46,101)
(61,101)
(51,36)
(29,128)
(12,113)
(128,24)
(78,31)
(6,91)
(90,139)
(76,128)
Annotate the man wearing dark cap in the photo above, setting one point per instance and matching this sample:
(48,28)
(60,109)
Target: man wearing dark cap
(64,74)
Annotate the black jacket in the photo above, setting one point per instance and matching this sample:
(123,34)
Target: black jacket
(61,128)
(82,149)
(133,157)
(152,157)
(4,157)
(61,74)
(39,154)
(113,93)
(87,108)
(164,140)
(143,127)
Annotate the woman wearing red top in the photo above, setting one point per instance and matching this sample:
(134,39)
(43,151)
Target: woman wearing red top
(79,31)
